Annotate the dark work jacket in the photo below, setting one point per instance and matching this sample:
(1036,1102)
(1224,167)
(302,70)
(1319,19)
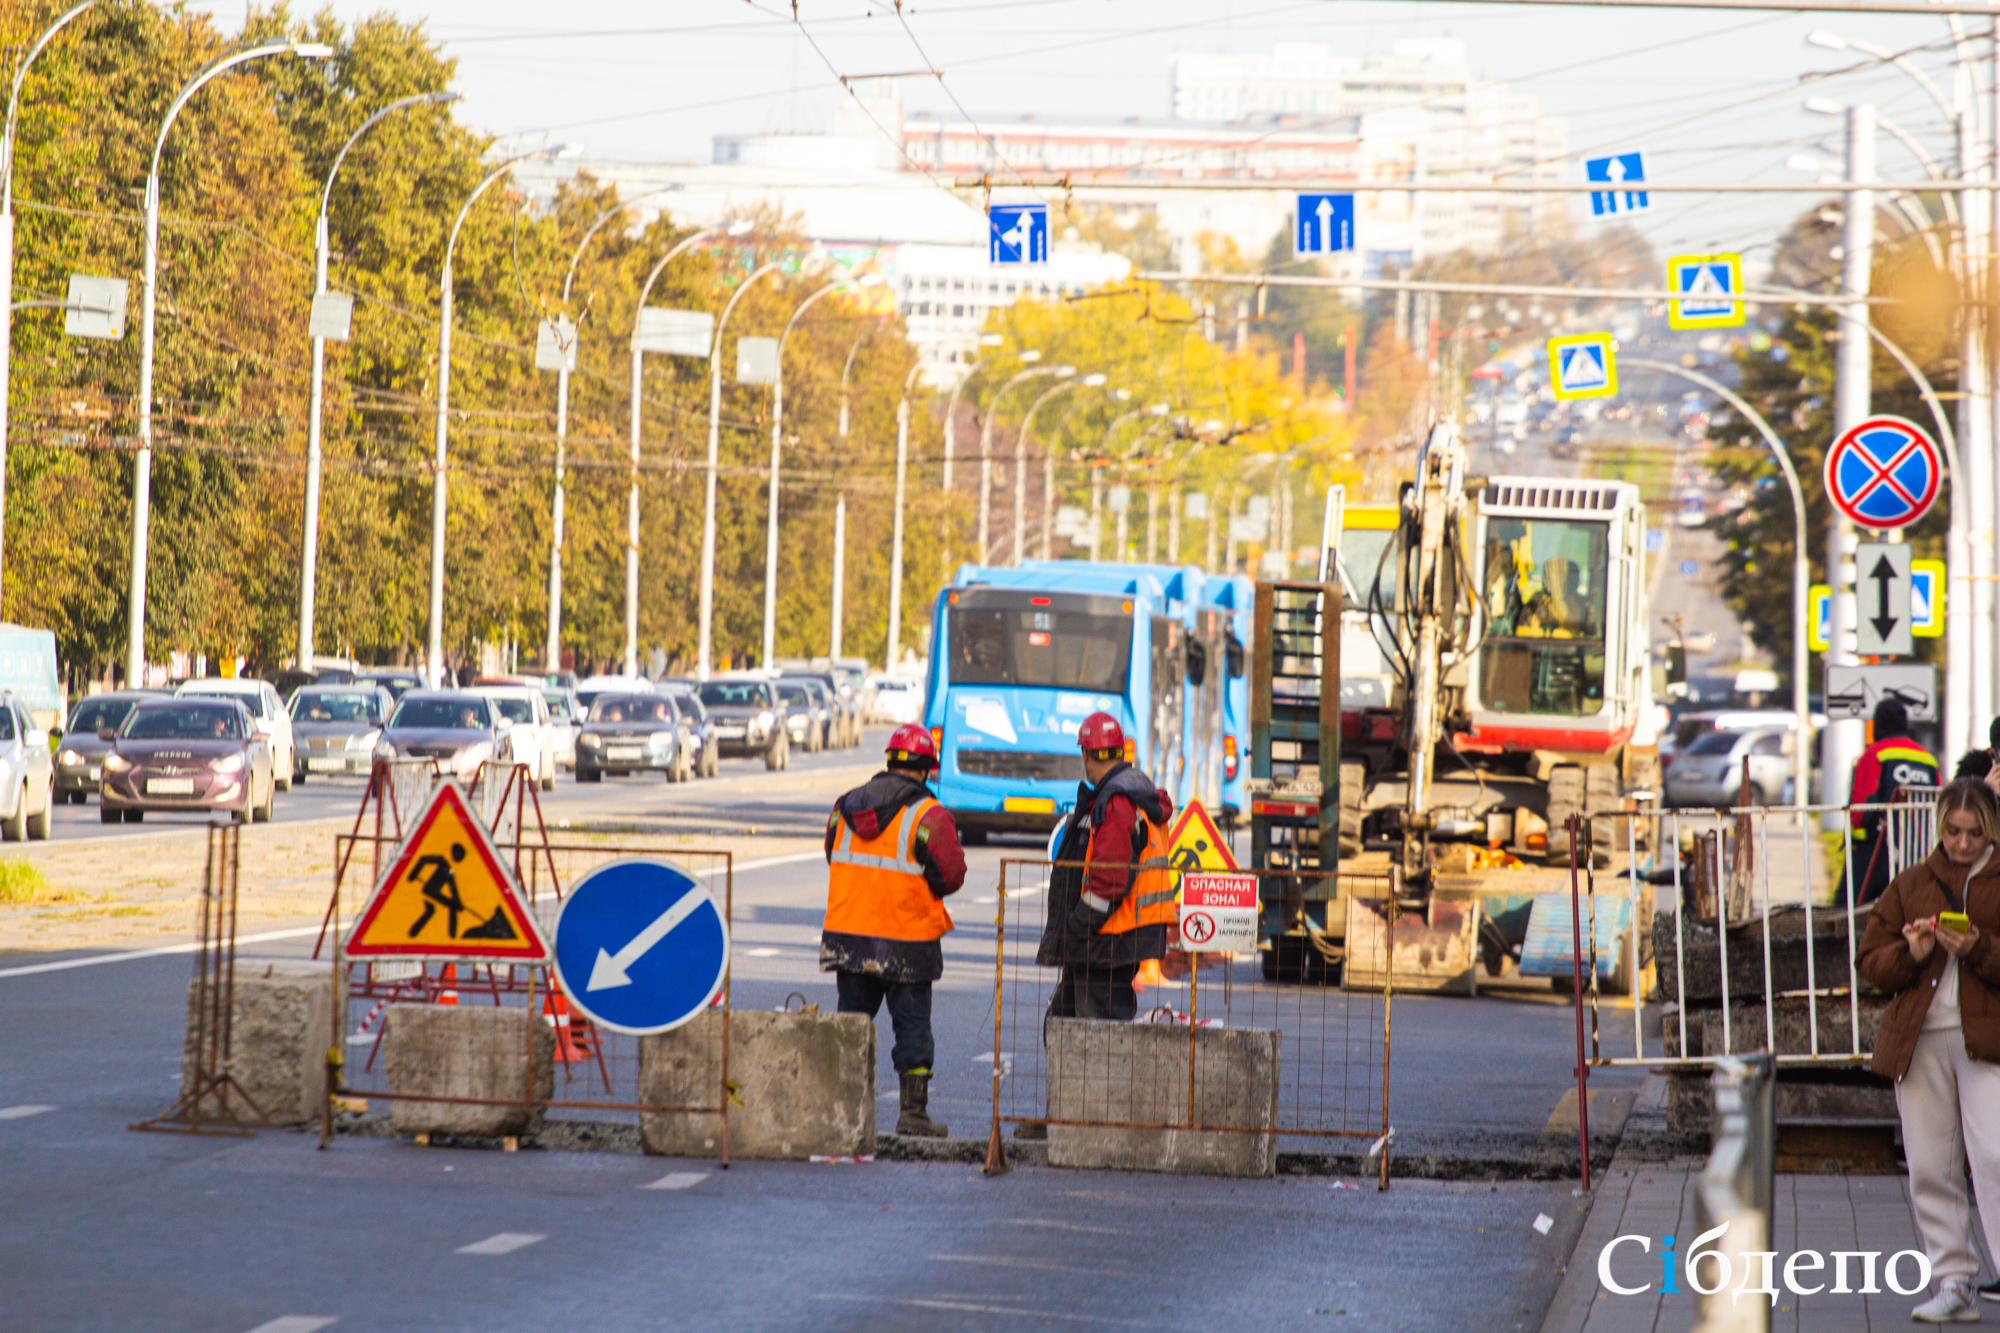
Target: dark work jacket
(1070,936)
(869,809)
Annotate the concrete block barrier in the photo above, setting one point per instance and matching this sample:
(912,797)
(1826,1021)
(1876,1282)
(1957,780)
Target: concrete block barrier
(805,1086)
(505,1055)
(280,1021)
(1138,1073)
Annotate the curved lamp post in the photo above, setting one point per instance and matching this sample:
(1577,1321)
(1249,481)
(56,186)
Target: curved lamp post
(1049,468)
(896,540)
(441,454)
(636,402)
(142,475)
(309,545)
(714,454)
(1067,375)
(986,441)
(7,242)
(836,613)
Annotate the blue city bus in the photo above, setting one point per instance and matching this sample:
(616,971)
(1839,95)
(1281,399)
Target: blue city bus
(1021,655)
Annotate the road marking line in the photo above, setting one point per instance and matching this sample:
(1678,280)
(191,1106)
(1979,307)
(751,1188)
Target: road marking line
(1002,1262)
(296,1323)
(504,1243)
(678,1180)
(791,858)
(760,953)
(131,954)
(940,1303)
(1064,1226)
(23,1112)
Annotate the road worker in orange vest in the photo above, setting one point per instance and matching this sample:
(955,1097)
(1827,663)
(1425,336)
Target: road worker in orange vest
(893,857)
(1105,921)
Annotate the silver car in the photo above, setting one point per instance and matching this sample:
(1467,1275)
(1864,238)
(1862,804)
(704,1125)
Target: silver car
(457,729)
(337,727)
(27,774)
(1709,772)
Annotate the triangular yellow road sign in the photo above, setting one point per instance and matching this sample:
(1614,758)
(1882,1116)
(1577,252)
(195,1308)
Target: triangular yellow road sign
(1194,843)
(448,895)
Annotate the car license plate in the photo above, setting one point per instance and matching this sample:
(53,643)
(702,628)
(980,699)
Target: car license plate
(169,786)
(317,765)
(624,754)
(730,733)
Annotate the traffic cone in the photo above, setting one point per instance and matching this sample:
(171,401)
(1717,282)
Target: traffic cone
(448,994)
(1148,975)
(555,1012)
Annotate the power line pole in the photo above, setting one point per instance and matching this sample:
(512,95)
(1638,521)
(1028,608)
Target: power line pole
(1840,742)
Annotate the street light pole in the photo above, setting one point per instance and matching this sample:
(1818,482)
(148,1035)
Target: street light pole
(634,404)
(951,404)
(1049,467)
(896,540)
(7,247)
(771,509)
(705,651)
(1065,374)
(441,452)
(837,611)
(142,474)
(986,443)
(309,545)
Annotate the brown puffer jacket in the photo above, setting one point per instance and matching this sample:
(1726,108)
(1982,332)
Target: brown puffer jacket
(1884,959)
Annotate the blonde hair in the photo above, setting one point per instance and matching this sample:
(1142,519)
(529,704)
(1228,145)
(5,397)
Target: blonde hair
(1976,797)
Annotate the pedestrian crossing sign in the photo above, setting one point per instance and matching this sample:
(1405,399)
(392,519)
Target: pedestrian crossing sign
(1927,594)
(1706,284)
(448,896)
(1195,844)
(1582,365)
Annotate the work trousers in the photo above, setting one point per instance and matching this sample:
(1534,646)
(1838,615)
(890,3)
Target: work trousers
(1085,990)
(909,1015)
(1950,1104)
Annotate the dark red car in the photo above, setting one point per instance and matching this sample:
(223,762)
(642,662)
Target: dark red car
(193,755)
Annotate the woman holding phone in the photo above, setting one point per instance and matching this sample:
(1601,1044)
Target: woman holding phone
(1929,944)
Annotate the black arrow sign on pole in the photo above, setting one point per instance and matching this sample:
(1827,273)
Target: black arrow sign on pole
(1884,574)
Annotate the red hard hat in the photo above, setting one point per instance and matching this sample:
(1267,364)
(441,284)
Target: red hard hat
(913,745)
(1101,736)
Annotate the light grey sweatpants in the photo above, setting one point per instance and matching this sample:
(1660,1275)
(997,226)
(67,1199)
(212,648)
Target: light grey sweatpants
(1950,1105)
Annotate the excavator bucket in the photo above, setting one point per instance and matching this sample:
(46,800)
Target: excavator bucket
(1431,950)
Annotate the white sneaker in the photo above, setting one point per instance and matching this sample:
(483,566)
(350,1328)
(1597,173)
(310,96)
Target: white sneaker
(1953,1304)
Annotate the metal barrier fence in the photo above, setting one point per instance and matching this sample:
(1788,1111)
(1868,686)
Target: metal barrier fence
(599,1075)
(1296,1059)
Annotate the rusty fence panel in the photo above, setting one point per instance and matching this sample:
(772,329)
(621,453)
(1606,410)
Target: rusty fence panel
(1331,1052)
(1745,946)
(596,1077)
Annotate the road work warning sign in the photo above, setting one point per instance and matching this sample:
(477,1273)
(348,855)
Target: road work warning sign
(1218,913)
(448,896)
(1194,843)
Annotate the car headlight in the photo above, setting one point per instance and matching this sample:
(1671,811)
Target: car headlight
(365,741)
(229,763)
(385,751)
(475,754)
(71,758)
(764,720)
(116,763)
(591,739)
(662,740)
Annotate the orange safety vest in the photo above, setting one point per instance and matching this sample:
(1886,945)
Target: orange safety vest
(875,887)
(1154,898)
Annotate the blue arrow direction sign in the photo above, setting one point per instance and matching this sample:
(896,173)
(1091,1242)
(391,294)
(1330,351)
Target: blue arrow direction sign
(1624,169)
(1325,224)
(640,946)
(1017,234)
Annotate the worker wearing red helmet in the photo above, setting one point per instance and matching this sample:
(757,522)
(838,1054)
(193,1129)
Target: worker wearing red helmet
(1105,920)
(893,857)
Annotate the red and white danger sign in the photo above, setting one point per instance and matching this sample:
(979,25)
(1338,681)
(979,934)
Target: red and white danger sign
(1218,913)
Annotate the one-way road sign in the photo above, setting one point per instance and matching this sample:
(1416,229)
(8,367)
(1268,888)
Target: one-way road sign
(1882,596)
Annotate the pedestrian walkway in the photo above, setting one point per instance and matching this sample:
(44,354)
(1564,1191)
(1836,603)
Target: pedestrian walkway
(1825,1213)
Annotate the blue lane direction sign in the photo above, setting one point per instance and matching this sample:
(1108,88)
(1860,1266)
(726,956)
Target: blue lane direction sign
(1325,224)
(1689,569)
(640,946)
(1709,282)
(1624,170)
(1017,234)
(1582,365)
(1883,473)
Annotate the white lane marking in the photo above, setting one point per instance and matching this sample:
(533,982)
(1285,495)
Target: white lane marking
(505,1243)
(296,1323)
(760,953)
(791,858)
(23,1112)
(677,1180)
(131,954)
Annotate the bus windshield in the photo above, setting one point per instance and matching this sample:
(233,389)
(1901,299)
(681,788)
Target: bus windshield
(1008,639)
(1545,585)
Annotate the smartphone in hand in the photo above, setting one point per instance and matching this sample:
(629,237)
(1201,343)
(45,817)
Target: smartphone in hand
(1957,921)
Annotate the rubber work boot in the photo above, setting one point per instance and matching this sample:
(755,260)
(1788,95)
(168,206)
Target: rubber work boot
(915,1120)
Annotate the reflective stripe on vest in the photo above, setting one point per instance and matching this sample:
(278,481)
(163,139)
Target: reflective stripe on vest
(876,886)
(1155,893)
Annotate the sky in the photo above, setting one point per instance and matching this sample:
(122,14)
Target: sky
(1707,95)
